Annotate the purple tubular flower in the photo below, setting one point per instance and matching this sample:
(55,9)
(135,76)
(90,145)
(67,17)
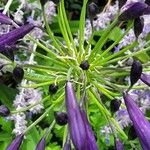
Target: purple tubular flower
(90,139)
(67,146)
(4,19)
(16,143)
(135,10)
(145,78)
(75,121)
(118,144)
(141,125)
(10,38)
(41,144)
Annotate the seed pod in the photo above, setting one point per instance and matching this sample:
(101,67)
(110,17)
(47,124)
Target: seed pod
(85,65)
(145,78)
(41,144)
(75,121)
(115,105)
(61,118)
(18,74)
(4,111)
(121,3)
(138,26)
(118,144)
(140,123)
(132,133)
(134,11)
(136,71)
(53,88)
(16,143)
(4,19)
(92,9)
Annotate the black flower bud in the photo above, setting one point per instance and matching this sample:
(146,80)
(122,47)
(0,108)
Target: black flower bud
(18,74)
(92,9)
(115,105)
(61,118)
(85,65)
(4,111)
(132,133)
(53,88)
(136,71)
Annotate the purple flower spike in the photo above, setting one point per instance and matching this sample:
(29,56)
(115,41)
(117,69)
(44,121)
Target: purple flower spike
(141,125)
(10,38)
(118,144)
(16,143)
(4,19)
(90,140)
(75,121)
(41,144)
(135,10)
(145,78)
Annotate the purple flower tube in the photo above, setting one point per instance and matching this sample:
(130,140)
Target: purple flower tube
(145,78)
(140,123)
(4,19)
(41,144)
(118,144)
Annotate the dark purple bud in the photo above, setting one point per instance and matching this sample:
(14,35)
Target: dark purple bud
(11,37)
(92,9)
(75,121)
(135,10)
(136,71)
(4,19)
(118,144)
(41,144)
(145,78)
(115,105)
(138,26)
(85,65)
(67,146)
(132,133)
(15,145)
(121,3)
(53,88)
(61,118)
(140,123)
(90,139)
(4,111)
(18,74)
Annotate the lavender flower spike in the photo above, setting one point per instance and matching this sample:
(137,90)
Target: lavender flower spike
(16,143)
(118,144)
(145,78)
(4,19)
(141,125)
(41,144)
(10,38)
(75,121)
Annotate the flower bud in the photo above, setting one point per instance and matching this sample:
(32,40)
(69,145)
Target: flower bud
(18,74)
(4,111)
(140,123)
(41,144)
(15,145)
(145,78)
(4,19)
(136,71)
(115,105)
(85,65)
(118,144)
(92,9)
(61,118)
(67,146)
(53,88)
(132,133)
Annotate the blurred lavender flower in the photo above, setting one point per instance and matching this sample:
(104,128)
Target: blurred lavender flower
(41,144)
(15,145)
(118,144)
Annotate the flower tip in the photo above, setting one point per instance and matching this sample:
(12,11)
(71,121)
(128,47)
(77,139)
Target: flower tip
(41,144)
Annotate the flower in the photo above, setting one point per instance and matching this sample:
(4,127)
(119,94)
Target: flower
(4,19)
(4,111)
(16,143)
(140,123)
(118,144)
(41,144)
(145,78)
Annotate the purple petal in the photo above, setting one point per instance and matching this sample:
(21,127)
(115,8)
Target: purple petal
(67,146)
(15,145)
(4,19)
(41,144)
(75,121)
(141,125)
(145,78)
(118,145)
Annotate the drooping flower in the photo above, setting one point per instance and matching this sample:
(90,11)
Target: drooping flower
(145,78)
(16,143)
(41,144)
(4,19)
(140,123)
(118,144)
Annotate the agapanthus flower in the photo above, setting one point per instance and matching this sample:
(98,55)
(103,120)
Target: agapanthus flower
(4,19)
(140,123)
(16,143)
(118,144)
(41,144)
(145,78)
